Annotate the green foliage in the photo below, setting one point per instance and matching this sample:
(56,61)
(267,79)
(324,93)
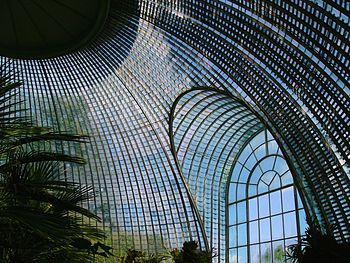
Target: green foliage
(279,253)
(317,246)
(267,256)
(135,256)
(132,255)
(41,218)
(190,253)
(95,249)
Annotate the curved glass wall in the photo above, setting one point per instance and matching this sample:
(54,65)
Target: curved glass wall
(286,60)
(265,212)
(208,128)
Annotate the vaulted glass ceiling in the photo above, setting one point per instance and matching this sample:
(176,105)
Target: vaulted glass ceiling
(283,63)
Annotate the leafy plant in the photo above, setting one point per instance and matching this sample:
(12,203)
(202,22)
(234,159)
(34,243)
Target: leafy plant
(95,249)
(136,256)
(279,254)
(317,246)
(190,253)
(41,218)
(132,255)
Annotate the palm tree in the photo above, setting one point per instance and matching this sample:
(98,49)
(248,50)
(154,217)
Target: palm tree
(41,218)
(319,246)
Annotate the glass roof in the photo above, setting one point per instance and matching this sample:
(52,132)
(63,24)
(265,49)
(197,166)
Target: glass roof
(158,148)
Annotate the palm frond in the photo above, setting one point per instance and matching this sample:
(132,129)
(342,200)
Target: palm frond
(36,207)
(71,200)
(7,86)
(5,108)
(20,157)
(51,136)
(43,224)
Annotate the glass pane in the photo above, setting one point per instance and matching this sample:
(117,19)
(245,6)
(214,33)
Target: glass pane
(266,254)
(254,254)
(287,179)
(288,199)
(264,207)
(275,201)
(242,255)
(233,256)
(277,227)
(242,214)
(236,172)
(258,139)
(252,190)
(290,227)
(273,147)
(303,222)
(300,203)
(232,193)
(253,208)
(280,166)
(242,234)
(278,252)
(232,214)
(265,234)
(253,232)
(232,236)
(241,191)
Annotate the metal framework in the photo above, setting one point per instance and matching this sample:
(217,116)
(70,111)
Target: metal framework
(161,152)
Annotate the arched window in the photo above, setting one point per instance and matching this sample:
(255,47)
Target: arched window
(265,213)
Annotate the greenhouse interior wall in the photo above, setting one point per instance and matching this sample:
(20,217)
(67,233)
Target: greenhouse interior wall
(220,121)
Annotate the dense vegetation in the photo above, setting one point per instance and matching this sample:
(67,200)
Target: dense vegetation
(320,246)
(189,253)
(41,217)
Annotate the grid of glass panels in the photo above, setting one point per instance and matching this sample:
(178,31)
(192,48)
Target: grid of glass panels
(208,129)
(120,99)
(265,213)
(287,59)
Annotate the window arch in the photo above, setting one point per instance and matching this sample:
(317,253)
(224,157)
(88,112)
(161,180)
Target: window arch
(265,212)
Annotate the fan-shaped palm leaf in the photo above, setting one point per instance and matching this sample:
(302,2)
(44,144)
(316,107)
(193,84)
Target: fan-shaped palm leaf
(40,215)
